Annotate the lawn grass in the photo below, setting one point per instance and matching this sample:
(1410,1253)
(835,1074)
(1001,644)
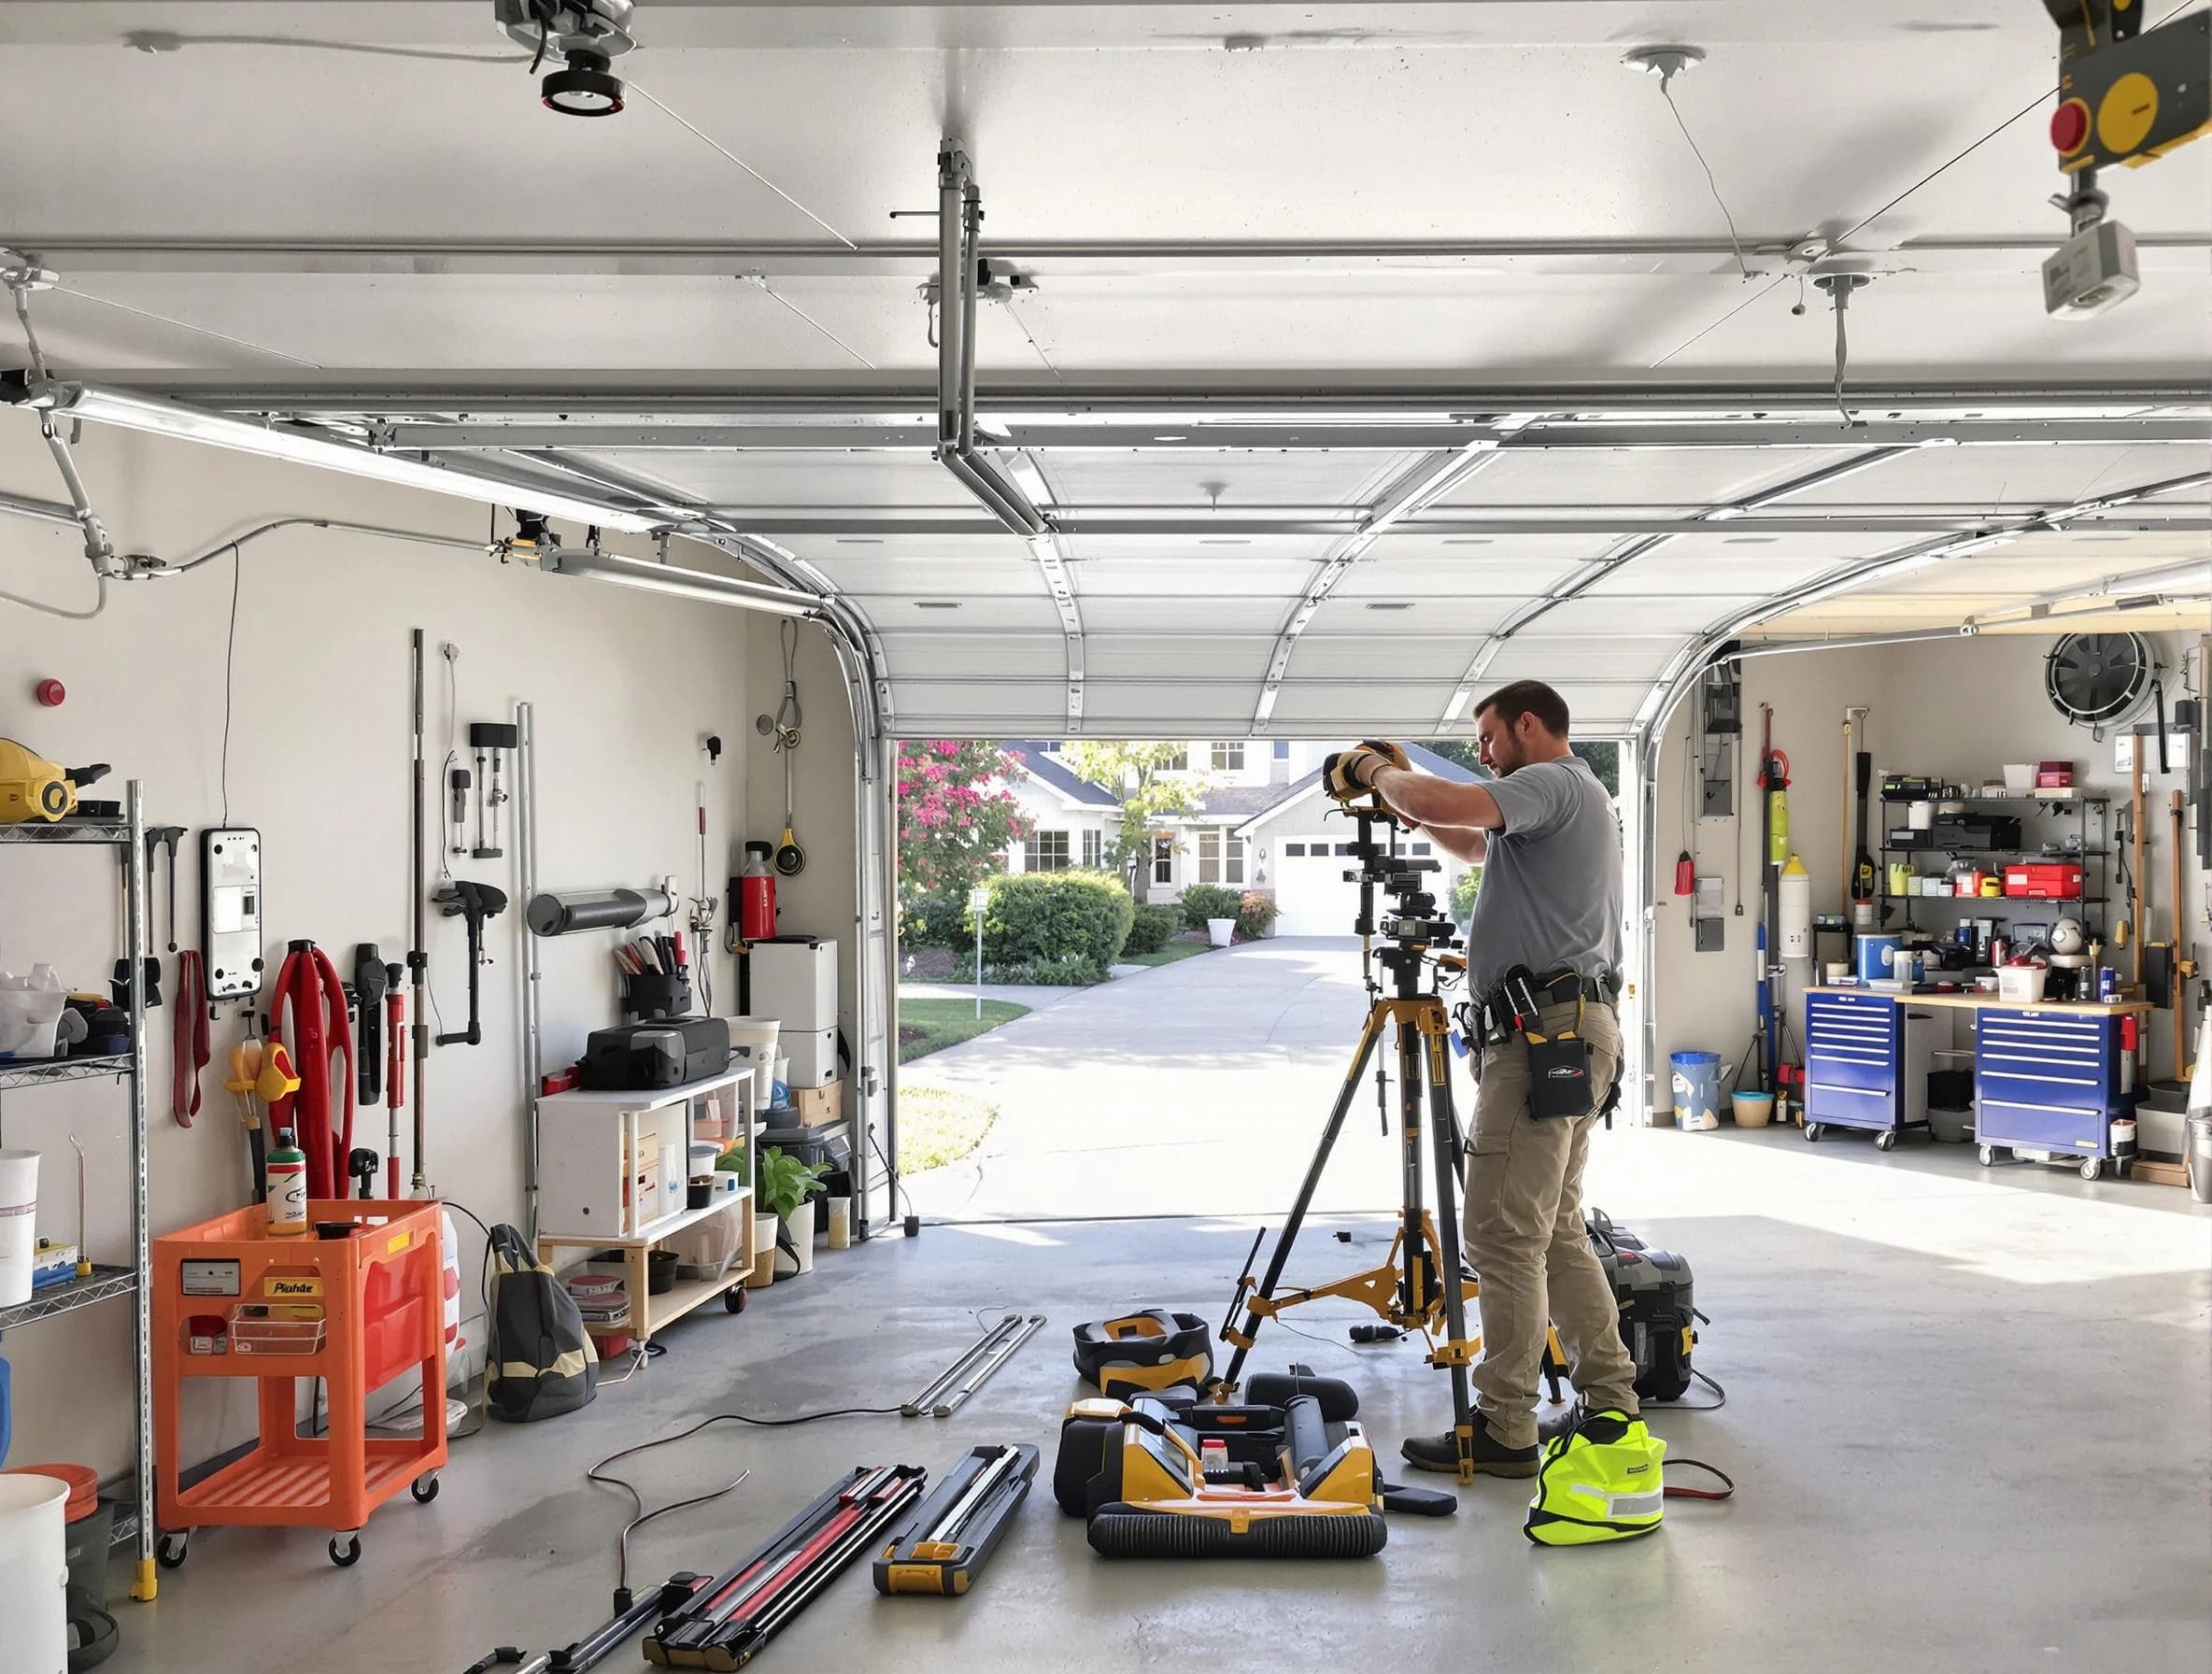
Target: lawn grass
(927,1026)
(937,1127)
(1167,955)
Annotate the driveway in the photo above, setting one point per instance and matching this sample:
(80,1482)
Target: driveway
(1199,1087)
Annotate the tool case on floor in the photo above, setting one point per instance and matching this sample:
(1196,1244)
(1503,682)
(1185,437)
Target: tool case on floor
(959,1525)
(1653,1289)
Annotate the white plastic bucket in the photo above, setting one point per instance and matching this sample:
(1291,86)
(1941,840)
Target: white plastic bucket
(1221,932)
(35,1572)
(752,1040)
(18,1225)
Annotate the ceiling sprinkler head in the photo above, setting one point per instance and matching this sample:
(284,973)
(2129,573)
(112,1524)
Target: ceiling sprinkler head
(1666,62)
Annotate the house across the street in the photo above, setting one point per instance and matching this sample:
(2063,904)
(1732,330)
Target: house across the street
(1260,824)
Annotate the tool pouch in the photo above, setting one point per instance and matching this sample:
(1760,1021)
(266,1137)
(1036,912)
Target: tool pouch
(1559,1076)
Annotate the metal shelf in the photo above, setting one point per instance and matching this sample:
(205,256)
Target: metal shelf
(2038,856)
(35,832)
(106,1284)
(34,1072)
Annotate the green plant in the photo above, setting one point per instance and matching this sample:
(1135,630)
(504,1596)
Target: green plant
(731,1163)
(1144,775)
(1201,902)
(1150,929)
(1057,915)
(1255,915)
(937,921)
(955,816)
(785,1183)
(1070,970)
(1463,894)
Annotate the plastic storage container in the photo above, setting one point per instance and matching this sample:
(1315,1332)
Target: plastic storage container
(1696,1089)
(19,1230)
(35,1573)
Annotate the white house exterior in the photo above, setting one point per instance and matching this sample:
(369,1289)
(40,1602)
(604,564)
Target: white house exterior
(1261,824)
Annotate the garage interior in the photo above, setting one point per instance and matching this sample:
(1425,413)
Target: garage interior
(1041,371)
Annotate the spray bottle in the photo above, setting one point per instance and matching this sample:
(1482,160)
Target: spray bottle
(286,1194)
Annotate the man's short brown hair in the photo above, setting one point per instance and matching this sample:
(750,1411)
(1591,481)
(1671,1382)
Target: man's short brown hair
(1528,697)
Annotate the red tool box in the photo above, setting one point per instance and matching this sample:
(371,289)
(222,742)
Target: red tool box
(2044,880)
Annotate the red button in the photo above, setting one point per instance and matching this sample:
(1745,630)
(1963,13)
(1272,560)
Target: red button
(2069,127)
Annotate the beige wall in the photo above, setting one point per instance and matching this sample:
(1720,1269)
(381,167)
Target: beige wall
(1956,711)
(624,684)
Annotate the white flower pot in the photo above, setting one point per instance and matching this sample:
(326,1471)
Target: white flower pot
(763,1274)
(801,1230)
(1221,932)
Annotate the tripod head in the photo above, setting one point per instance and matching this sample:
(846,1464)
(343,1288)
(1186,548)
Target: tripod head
(1410,925)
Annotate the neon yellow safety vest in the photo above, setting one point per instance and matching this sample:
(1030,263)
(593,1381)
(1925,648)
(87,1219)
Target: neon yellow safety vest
(1602,1481)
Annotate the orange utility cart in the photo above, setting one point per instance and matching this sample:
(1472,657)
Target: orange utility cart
(356,1301)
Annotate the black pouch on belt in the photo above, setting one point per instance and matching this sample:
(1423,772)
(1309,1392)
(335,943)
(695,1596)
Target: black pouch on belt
(1559,1071)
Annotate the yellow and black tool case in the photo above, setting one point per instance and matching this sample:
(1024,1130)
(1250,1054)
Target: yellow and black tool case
(1144,1351)
(1288,1476)
(959,1525)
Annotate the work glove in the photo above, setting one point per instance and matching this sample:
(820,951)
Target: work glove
(1350,774)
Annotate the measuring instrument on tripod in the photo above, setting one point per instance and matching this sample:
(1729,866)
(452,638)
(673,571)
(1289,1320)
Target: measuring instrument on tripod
(1417,952)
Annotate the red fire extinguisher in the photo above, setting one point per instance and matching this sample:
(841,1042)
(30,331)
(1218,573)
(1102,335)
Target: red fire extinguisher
(755,894)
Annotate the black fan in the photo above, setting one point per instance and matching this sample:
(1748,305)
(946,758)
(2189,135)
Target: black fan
(2095,679)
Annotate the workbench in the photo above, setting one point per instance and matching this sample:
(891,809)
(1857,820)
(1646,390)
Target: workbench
(2048,1074)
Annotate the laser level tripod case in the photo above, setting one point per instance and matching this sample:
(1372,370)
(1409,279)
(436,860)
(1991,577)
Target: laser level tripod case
(1301,1479)
(1658,1318)
(1147,1351)
(959,1525)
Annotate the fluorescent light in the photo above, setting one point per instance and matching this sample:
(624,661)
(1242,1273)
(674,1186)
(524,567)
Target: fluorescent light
(100,405)
(681,583)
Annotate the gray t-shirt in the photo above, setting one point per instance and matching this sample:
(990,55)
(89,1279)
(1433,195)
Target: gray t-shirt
(1550,892)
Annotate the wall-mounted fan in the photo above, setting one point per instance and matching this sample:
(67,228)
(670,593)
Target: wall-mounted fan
(2097,679)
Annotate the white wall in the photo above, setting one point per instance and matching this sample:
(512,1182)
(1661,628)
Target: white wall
(624,684)
(1955,710)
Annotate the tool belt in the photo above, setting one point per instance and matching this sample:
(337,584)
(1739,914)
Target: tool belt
(1559,1061)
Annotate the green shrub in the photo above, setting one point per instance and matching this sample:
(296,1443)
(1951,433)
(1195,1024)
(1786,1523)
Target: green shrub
(1083,917)
(1070,970)
(1255,915)
(1152,926)
(1463,894)
(937,921)
(1201,902)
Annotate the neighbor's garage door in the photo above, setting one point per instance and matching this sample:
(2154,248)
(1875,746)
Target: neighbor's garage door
(1311,897)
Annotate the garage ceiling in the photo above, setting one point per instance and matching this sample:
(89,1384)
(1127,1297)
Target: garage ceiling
(1283,268)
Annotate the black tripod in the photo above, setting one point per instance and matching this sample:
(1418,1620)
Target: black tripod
(1410,1288)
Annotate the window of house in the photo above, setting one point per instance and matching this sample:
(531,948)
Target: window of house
(1294,851)
(1045,851)
(1220,857)
(1178,763)
(1163,860)
(1282,749)
(1093,845)
(1228,757)
(1344,848)
(1420,848)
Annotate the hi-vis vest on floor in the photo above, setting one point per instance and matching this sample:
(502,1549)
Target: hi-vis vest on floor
(1602,1481)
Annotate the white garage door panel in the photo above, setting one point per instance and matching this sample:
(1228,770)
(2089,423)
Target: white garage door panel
(1995,476)
(1117,657)
(1213,612)
(1203,576)
(1331,711)
(1185,477)
(1584,478)
(1433,614)
(1641,615)
(1734,575)
(883,576)
(1312,896)
(1426,657)
(757,481)
(893,611)
(955,657)
(1549,655)
(1199,547)
(1535,551)
(972,551)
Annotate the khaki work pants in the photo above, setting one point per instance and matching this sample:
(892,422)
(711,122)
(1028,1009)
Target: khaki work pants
(1525,1237)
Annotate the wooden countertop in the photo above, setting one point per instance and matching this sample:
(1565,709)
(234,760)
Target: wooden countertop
(1969,1001)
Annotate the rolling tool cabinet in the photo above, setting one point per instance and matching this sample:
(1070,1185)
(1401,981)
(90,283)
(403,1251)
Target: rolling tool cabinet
(2048,1081)
(356,1310)
(1867,1062)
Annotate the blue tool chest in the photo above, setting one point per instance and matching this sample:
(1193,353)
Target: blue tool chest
(1852,1053)
(2049,1081)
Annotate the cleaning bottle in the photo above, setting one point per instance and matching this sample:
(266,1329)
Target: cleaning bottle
(287,1190)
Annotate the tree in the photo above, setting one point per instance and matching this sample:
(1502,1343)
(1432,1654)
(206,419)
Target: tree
(955,816)
(1137,772)
(1603,755)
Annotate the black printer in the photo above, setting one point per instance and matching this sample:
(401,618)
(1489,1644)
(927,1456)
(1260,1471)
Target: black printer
(666,1052)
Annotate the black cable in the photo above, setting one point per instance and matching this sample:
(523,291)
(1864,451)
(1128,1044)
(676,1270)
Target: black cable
(230,651)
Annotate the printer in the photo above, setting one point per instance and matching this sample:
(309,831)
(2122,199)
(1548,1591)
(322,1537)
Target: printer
(666,1052)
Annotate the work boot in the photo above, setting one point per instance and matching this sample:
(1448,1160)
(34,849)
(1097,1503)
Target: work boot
(1559,1423)
(1492,1456)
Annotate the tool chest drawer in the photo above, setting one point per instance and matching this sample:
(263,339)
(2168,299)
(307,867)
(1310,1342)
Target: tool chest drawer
(1852,1057)
(2045,1080)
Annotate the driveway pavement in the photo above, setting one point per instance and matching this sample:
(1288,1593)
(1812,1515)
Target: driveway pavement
(1197,1088)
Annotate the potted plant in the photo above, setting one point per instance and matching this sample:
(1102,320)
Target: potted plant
(783,1190)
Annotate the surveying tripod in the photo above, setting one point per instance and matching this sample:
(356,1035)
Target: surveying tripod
(1410,1288)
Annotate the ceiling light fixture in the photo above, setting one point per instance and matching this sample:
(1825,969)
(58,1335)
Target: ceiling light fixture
(937,604)
(98,405)
(680,583)
(587,34)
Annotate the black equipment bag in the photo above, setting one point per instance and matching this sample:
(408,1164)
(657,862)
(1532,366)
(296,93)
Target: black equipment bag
(1653,1289)
(538,1361)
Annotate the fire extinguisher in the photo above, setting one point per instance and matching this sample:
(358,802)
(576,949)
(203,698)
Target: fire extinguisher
(754,890)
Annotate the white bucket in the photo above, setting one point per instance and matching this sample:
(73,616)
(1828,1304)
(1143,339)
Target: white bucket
(752,1040)
(1221,932)
(18,1225)
(33,1571)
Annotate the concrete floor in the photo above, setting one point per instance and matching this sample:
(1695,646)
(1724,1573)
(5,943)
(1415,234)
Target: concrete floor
(1967,1417)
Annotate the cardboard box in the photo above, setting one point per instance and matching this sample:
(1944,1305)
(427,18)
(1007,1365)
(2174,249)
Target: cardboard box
(816,1106)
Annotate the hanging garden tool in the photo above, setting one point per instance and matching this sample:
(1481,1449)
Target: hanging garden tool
(309,983)
(783,727)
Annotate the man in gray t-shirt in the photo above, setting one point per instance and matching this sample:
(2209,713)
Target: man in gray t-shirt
(1544,834)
